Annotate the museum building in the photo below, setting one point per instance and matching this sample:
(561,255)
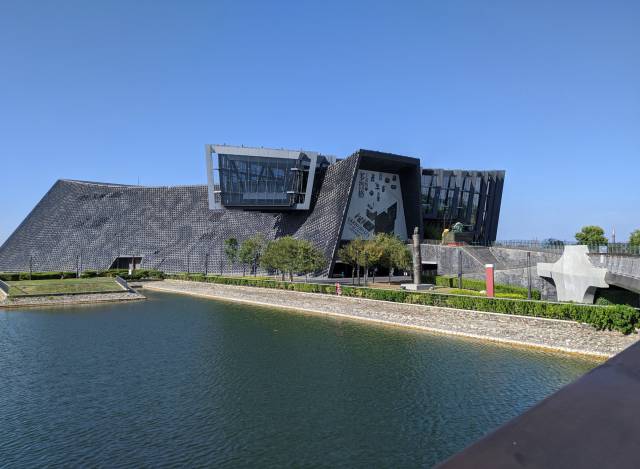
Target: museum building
(326,200)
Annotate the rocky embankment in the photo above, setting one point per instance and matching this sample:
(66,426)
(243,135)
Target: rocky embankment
(566,336)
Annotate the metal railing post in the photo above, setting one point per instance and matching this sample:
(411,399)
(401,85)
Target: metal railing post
(460,268)
(529,275)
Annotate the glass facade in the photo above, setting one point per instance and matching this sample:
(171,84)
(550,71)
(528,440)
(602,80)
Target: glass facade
(468,197)
(257,181)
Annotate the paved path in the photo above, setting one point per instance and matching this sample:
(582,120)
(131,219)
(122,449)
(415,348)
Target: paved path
(566,336)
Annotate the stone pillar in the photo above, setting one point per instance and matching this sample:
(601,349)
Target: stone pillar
(417,265)
(417,258)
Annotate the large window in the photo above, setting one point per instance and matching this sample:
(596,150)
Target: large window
(262,181)
(450,196)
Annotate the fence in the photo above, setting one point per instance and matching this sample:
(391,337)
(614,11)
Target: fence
(554,246)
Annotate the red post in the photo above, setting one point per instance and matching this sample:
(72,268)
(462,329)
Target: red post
(489,281)
(338,289)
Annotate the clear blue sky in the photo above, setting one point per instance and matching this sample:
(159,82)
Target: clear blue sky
(112,91)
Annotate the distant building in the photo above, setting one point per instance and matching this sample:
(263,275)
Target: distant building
(90,225)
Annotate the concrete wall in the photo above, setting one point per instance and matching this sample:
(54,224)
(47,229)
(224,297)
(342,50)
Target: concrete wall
(511,266)
(447,259)
(512,261)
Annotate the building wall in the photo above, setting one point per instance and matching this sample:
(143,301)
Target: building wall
(171,228)
(472,198)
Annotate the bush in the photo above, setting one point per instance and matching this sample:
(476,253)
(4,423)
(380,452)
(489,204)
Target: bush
(124,273)
(46,275)
(143,274)
(620,317)
(9,277)
(90,274)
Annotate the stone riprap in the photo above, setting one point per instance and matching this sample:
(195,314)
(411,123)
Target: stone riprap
(64,300)
(567,336)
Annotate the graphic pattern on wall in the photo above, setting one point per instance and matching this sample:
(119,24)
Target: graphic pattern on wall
(375,206)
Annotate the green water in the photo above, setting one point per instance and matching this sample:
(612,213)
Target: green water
(179,381)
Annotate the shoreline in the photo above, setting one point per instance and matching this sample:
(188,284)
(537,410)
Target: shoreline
(69,300)
(522,331)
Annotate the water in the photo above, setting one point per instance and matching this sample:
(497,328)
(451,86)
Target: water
(180,381)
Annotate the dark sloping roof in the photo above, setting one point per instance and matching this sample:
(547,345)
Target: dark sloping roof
(172,228)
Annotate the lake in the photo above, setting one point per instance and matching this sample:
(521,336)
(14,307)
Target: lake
(181,381)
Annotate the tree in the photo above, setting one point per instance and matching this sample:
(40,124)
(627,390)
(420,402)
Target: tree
(231,250)
(250,252)
(402,258)
(634,238)
(309,258)
(591,235)
(352,254)
(394,252)
(280,254)
(372,253)
(289,255)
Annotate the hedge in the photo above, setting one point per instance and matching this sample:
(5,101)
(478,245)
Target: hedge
(619,317)
(479,285)
(513,296)
(14,277)
(136,275)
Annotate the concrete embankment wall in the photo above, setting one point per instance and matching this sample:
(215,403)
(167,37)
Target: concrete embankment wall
(510,264)
(554,334)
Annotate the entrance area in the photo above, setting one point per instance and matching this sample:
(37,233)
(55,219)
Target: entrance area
(126,262)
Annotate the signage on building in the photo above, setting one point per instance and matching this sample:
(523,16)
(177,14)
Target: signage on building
(375,206)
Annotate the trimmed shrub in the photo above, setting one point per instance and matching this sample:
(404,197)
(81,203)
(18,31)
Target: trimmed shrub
(619,317)
(90,274)
(9,277)
(143,274)
(46,275)
(137,275)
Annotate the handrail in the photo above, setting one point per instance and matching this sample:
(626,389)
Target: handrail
(123,283)
(4,288)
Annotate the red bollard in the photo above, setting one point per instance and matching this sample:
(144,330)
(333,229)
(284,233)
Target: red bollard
(338,289)
(489,281)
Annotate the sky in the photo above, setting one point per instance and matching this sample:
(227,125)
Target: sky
(128,92)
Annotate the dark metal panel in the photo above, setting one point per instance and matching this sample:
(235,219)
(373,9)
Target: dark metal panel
(492,228)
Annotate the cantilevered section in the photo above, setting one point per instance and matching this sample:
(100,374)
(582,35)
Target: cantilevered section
(261,178)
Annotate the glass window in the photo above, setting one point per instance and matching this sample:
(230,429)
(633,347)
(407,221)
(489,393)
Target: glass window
(253,181)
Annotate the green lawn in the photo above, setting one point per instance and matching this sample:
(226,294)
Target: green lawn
(72,285)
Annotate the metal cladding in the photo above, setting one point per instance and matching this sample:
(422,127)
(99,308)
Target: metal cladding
(171,228)
(81,225)
(471,198)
